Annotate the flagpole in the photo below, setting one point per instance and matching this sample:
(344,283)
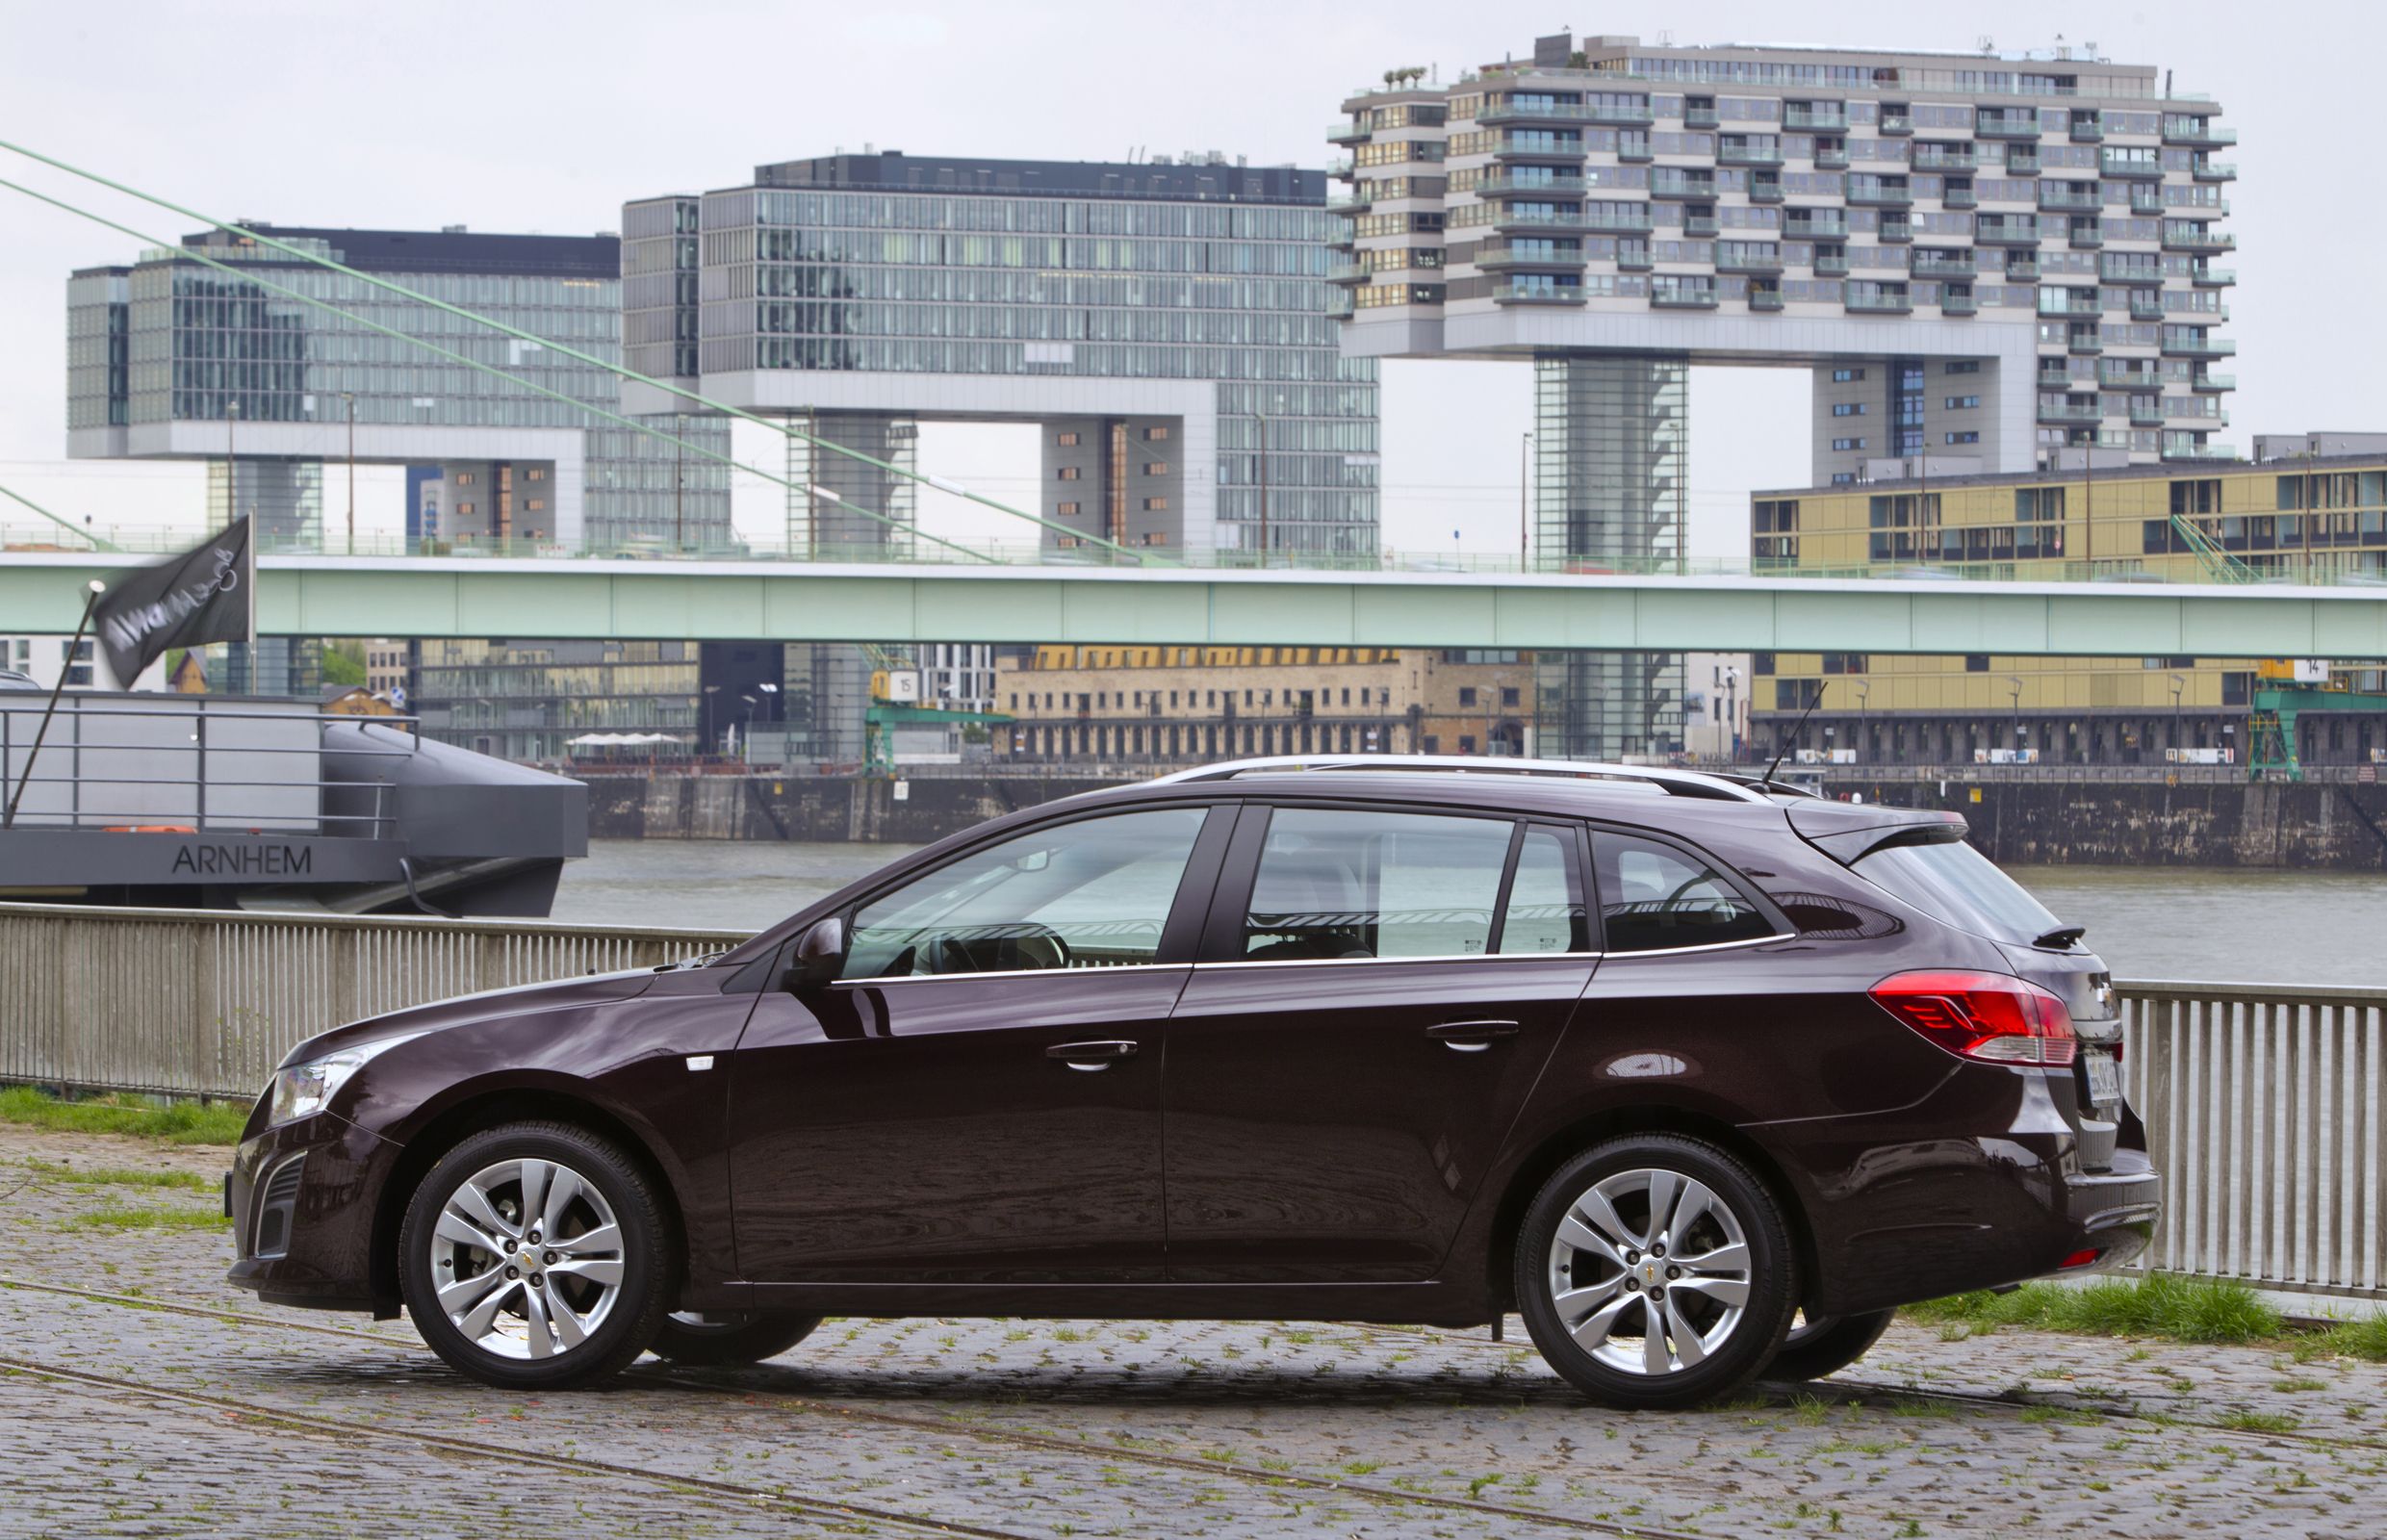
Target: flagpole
(91,597)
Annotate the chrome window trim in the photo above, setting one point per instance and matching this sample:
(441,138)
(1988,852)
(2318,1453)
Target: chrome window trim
(1007,973)
(1705,946)
(1361,961)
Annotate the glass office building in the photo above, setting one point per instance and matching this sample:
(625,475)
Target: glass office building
(1159,321)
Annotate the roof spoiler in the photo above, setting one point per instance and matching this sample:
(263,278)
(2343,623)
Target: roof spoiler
(1849,832)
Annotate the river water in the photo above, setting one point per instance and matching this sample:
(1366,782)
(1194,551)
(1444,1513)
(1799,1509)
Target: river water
(2270,927)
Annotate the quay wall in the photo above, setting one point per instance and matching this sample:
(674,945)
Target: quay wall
(2224,822)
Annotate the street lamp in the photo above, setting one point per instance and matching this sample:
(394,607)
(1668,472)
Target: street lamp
(349,397)
(1524,480)
(1731,713)
(1864,693)
(2179,683)
(2014,683)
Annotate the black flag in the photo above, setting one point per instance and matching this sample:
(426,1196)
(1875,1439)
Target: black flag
(185,601)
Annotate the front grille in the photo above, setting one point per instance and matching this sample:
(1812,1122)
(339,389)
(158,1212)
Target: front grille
(277,1205)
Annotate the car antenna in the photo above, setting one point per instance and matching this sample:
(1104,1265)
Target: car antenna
(1796,728)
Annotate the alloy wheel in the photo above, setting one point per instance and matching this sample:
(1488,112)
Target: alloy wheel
(1650,1271)
(528,1258)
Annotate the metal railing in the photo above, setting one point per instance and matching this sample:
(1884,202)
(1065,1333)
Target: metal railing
(205,1003)
(2262,1106)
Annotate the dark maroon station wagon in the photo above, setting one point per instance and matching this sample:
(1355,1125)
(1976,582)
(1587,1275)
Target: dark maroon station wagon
(1702,1076)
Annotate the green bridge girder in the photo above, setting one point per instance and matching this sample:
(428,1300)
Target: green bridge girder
(465,597)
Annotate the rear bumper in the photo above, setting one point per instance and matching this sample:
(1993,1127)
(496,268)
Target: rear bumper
(328,1260)
(1981,1184)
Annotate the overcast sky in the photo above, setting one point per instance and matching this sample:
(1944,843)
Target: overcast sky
(511,118)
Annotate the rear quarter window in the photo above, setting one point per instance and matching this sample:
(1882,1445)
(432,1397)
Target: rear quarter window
(1955,884)
(1658,897)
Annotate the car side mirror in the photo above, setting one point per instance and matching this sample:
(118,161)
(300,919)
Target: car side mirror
(820,953)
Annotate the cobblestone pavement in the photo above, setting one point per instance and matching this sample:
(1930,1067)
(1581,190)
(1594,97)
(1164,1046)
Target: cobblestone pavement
(140,1395)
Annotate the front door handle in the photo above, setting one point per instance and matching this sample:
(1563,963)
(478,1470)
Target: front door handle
(1470,1037)
(1090,1056)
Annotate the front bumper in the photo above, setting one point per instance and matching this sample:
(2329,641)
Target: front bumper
(1978,1185)
(326,1258)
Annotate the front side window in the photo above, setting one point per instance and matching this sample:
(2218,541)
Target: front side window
(1653,897)
(1087,894)
(1338,885)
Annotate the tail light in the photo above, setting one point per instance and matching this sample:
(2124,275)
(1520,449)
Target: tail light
(1988,1016)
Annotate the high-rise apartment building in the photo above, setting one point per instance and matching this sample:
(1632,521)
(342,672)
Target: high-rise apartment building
(1989,262)
(1158,321)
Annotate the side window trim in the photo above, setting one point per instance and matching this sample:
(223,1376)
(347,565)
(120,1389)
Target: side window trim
(1177,930)
(1765,908)
(1508,884)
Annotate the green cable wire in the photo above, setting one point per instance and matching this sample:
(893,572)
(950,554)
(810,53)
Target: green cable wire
(621,370)
(80,534)
(473,363)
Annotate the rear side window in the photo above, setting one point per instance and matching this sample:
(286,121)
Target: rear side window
(1655,896)
(1546,911)
(1952,882)
(1338,885)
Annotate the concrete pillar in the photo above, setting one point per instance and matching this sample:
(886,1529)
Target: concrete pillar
(860,512)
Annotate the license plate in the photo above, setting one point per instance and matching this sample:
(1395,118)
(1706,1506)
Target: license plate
(2104,1079)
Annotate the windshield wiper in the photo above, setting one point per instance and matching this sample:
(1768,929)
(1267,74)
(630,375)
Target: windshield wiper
(2061,940)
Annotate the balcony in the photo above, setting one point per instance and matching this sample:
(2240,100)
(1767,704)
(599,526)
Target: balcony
(2088,132)
(1340,168)
(1346,132)
(2022,159)
(1571,221)
(1348,272)
(2022,271)
(1340,306)
(2128,377)
(1623,115)
(2070,195)
(2086,238)
(2192,450)
(1879,196)
(1633,259)
(2069,302)
(2196,131)
(2084,410)
(2211,384)
(2214,172)
(1937,263)
(2196,238)
(1886,303)
(1673,182)
(2023,125)
(1834,228)
(1945,158)
(2129,166)
(2056,375)
(1952,303)
(1507,184)
(2213,278)
(1683,298)
(1747,155)
(1766,262)
(1831,160)
(1958,198)
(1537,147)
(1765,190)
(1697,224)
(1895,124)
(1350,202)
(1816,119)
(2084,345)
(2006,235)
(2146,307)
(1763,300)
(1517,112)
(1894,233)
(2181,345)
(1699,118)
(1517,294)
(1634,148)
(1832,267)
(1498,259)
(2145,412)
(2146,201)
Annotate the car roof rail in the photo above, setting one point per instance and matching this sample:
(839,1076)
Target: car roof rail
(1674,782)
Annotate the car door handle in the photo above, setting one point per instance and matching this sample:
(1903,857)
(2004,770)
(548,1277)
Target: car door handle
(1470,1037)
(1090,1056)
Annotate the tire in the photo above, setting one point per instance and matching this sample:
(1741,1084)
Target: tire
(1827,1345)
(571,1308)
(1720,1325)
(739,1338)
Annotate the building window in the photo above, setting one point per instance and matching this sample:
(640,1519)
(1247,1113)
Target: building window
(1433,744)
(1067,441)
(1155,434)
(1154,537)
(1069,542)
(1844,376)
(464,478)
(1071,473)
(1508,695)
(1467,695)
(1153,505)
(464,510)
(1849,408)
(1963,403)
(1976,662)
(535,474)
(1963,366)
(1156,468)
(534,504)
(1844,479)
(1065,509)
(1848,444)
(1968,436)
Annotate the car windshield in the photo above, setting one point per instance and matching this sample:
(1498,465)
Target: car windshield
(1955,882)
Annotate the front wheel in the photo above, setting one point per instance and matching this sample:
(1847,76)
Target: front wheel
(1825,1344)
(738,1337)
(1654,1272)
(534,1256)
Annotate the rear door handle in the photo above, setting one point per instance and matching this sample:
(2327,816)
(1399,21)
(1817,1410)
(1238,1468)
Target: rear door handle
(1470,1037)
(1090,1056)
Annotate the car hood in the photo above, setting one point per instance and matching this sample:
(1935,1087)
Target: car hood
(594,989)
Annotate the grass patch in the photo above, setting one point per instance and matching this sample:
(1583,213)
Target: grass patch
(2366,1338)
(113,1217)
(118,1177)
(167,1121)
(2159,1305)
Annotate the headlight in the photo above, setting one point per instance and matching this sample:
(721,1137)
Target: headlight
(301,1090)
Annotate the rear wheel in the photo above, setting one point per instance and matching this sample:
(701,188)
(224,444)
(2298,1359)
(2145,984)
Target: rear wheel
(699,1338)
(1654,1270)
(1825,1344)
(533,1255)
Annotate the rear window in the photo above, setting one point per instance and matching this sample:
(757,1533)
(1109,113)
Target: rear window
(1955,882)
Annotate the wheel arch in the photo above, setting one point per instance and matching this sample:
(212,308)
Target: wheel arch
(1582,1133)
(491,1107)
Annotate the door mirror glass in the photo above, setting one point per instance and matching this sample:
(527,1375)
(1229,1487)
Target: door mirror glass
(820,952)
(1091,893)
